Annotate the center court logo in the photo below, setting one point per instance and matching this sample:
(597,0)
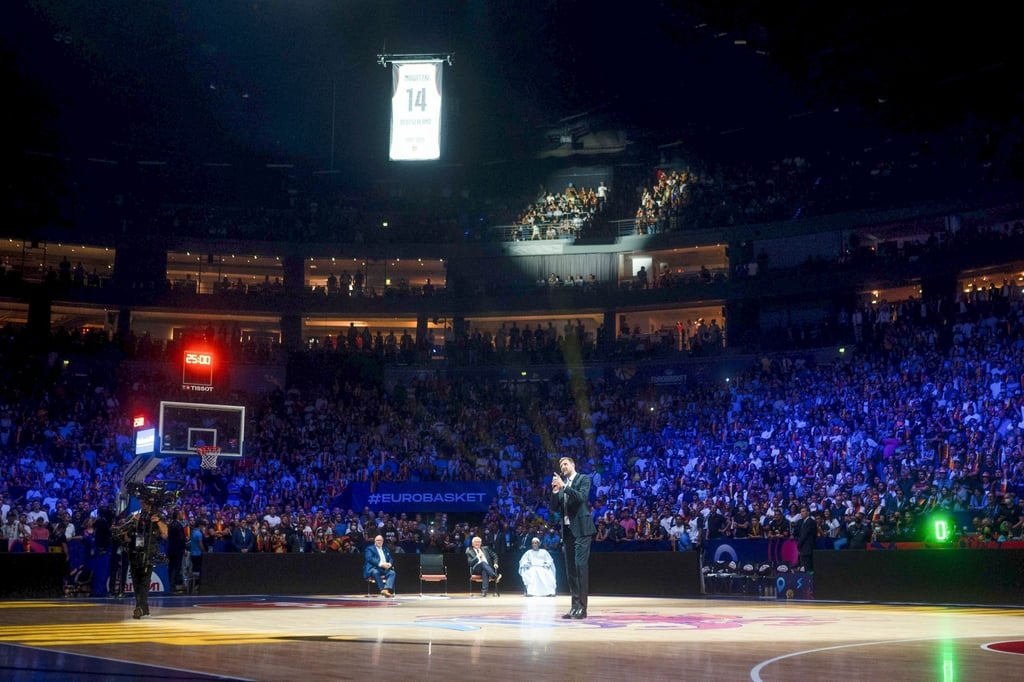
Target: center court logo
(642,621)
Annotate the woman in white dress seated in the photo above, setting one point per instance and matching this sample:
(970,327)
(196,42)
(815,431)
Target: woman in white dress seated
(537,569)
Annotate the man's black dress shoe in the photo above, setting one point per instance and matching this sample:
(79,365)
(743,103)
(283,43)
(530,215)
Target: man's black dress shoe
(579,614)
(571,613)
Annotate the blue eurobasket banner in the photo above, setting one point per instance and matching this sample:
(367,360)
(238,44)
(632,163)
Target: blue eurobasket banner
(455,496)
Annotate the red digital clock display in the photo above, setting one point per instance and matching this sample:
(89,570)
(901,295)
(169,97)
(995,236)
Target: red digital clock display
(197,369)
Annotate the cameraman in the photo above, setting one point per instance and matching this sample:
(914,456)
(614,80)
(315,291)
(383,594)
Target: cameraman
(142,534)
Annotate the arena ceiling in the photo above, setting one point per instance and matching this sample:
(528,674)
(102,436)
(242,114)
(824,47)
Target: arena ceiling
(298,82)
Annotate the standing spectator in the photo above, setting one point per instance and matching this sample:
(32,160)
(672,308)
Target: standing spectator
(39,536)
(197,546)
(552,540)
(37,513)
(10,532)
(175,550)
(505,540)
(806,533)
(679,535)
(831,527)
(741,522)
(603,191)
(641,277)
(859,532)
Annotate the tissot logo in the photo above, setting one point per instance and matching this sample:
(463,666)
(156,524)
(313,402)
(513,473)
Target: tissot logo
(198,359)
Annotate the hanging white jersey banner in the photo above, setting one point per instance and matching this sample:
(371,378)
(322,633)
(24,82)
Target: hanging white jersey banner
(415,110)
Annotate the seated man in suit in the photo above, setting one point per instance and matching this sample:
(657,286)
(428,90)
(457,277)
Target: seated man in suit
(377,564)
(483,562)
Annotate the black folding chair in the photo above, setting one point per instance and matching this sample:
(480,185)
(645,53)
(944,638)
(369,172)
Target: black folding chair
(433,570)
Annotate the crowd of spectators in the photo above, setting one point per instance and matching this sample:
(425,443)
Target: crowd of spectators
(697,195)
(693,193)
(562,215)
(928,414)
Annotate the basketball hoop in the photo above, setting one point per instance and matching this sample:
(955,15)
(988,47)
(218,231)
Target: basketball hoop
(208,456)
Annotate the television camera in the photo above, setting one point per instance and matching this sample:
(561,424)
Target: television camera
(158,494)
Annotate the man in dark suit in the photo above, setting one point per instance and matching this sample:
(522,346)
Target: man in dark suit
(505,539)
(483,562)
(242,538)
(570,496)
(806,533)
(377,564)
(176,542)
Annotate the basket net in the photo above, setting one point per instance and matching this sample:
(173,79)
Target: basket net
(208,455)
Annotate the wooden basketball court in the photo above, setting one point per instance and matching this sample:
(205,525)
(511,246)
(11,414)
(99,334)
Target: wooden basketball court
(508,637)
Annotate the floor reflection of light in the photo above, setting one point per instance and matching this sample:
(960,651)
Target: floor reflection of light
(948,662)
(537,618)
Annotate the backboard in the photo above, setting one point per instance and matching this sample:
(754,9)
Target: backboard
(186,426)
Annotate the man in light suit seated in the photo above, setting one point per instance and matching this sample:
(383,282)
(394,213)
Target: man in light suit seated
(377,564)
(537,569)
